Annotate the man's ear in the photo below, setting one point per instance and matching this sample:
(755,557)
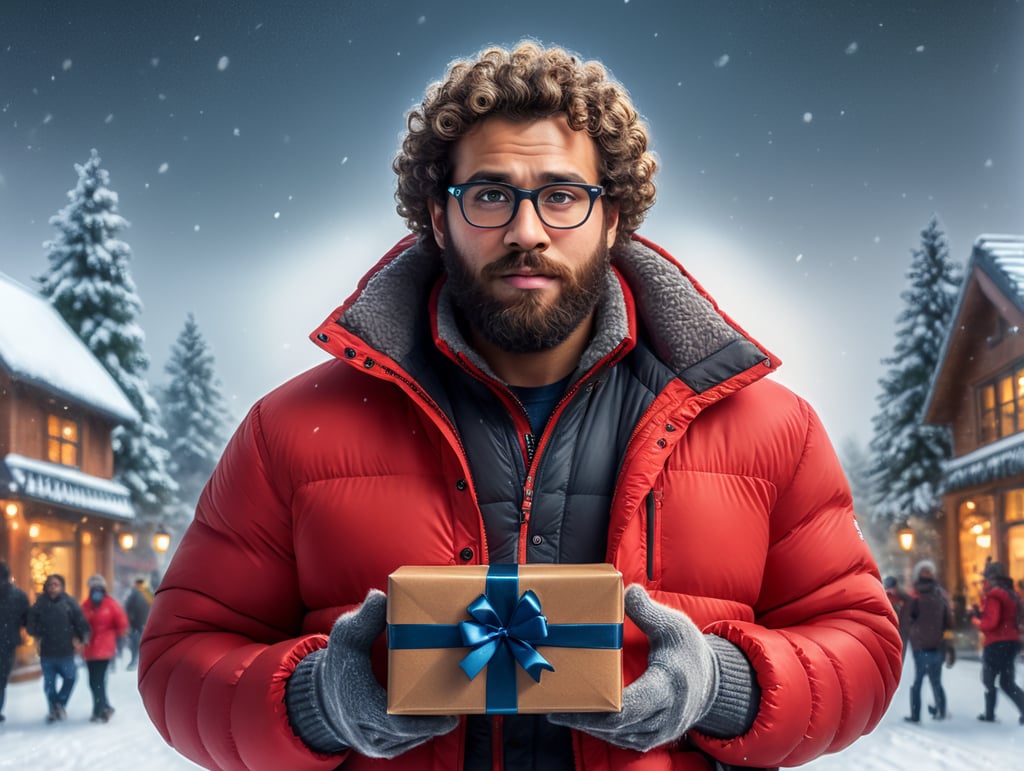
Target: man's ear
(437,220)
(611,223)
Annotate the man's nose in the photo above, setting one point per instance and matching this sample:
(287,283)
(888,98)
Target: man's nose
(526,232)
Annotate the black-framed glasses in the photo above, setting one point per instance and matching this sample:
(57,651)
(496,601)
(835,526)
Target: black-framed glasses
(560,205)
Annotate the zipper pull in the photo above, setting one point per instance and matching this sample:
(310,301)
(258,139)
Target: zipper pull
(531,446)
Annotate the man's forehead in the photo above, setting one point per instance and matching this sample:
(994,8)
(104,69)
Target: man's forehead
(544,146)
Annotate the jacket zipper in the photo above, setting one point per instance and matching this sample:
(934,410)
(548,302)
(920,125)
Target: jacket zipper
(651,509)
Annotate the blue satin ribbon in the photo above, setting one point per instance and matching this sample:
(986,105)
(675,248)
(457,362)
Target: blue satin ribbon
(503,631)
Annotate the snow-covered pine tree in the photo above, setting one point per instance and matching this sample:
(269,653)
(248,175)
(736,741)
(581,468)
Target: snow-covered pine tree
(907,455)
(90,285)
(195,416)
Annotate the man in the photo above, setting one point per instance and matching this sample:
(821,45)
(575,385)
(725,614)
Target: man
(136,606)
(997,621)
(899,600)
(13,617)
(928,616)
(61,631)
(523,380)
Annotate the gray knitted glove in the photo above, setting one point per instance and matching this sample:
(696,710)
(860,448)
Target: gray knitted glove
(675,692)
(349,699)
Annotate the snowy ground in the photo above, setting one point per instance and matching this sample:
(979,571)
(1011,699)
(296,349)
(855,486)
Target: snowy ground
(130,742)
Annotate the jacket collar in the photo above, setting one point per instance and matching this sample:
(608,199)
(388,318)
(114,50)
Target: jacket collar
(679,320)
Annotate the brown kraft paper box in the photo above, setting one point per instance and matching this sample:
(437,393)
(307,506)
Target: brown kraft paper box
(430,681)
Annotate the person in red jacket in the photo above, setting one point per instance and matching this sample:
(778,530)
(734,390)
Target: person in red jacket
(997,620)
(523,379)
(109,624)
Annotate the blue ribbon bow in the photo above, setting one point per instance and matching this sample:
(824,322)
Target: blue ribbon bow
(488,633)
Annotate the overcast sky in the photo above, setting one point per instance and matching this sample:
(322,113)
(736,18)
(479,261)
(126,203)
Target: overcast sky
(803,146)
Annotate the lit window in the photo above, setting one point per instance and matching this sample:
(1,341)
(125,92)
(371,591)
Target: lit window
(62,441)
(1001,406)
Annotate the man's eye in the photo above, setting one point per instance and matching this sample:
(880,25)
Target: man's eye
(559,197)
(492,195)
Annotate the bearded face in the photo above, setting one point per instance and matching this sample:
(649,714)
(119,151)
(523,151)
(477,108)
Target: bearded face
(526,320)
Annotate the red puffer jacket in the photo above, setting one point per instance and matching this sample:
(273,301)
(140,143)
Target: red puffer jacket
(107,622)
(730,505)
(998,620)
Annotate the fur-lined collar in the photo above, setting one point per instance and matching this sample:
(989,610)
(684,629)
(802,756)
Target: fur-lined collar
(680,323)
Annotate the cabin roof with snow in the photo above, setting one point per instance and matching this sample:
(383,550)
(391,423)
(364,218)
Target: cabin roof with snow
(990,306)
(38,347)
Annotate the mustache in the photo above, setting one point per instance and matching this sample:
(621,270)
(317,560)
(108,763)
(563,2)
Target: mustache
(532,261)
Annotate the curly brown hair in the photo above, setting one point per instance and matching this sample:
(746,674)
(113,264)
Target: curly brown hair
(527,83)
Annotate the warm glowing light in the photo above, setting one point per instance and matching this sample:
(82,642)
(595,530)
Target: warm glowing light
(11,510)
(33,531)
(906,538)
(970,505)
(162,541)
(984,540)
(977,529)
(86,539)
(126,541)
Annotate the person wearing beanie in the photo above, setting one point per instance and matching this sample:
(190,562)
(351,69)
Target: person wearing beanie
(997,621)
(59,627)
(109,623)
(13,616)
(928,617)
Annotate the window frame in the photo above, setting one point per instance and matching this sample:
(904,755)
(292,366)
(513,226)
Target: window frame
(61,449)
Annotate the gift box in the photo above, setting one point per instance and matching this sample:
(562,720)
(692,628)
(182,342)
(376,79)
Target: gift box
(504,639)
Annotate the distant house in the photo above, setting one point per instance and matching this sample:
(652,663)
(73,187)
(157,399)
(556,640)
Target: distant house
(61,512)
(978,390)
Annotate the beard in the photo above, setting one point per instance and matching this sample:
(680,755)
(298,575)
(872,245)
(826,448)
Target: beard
(526,323)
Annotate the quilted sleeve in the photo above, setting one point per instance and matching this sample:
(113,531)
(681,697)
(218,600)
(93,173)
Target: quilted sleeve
(224,633)
(825,643)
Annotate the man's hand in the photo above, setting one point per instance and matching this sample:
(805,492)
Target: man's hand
(353,702)
(674,693)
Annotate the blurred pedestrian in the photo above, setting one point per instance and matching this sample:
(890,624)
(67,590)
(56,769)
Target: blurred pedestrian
(928,616)
(59,627)
(136,605)
(899,600)
(109,623)
(997,620)
(13,617)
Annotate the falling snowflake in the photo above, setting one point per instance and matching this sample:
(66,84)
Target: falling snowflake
(721,61)
(920,49)
(109,119)
(163,168)
(195,228)
(66,65)
(799,257)
(988,163)
(808,117)
(222,63)
(852,48)
(421,20)
(277,215)
(344,160)
(237,132)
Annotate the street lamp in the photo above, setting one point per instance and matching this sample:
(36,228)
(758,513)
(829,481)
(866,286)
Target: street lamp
(905,536)
(126,541)
(161,540)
